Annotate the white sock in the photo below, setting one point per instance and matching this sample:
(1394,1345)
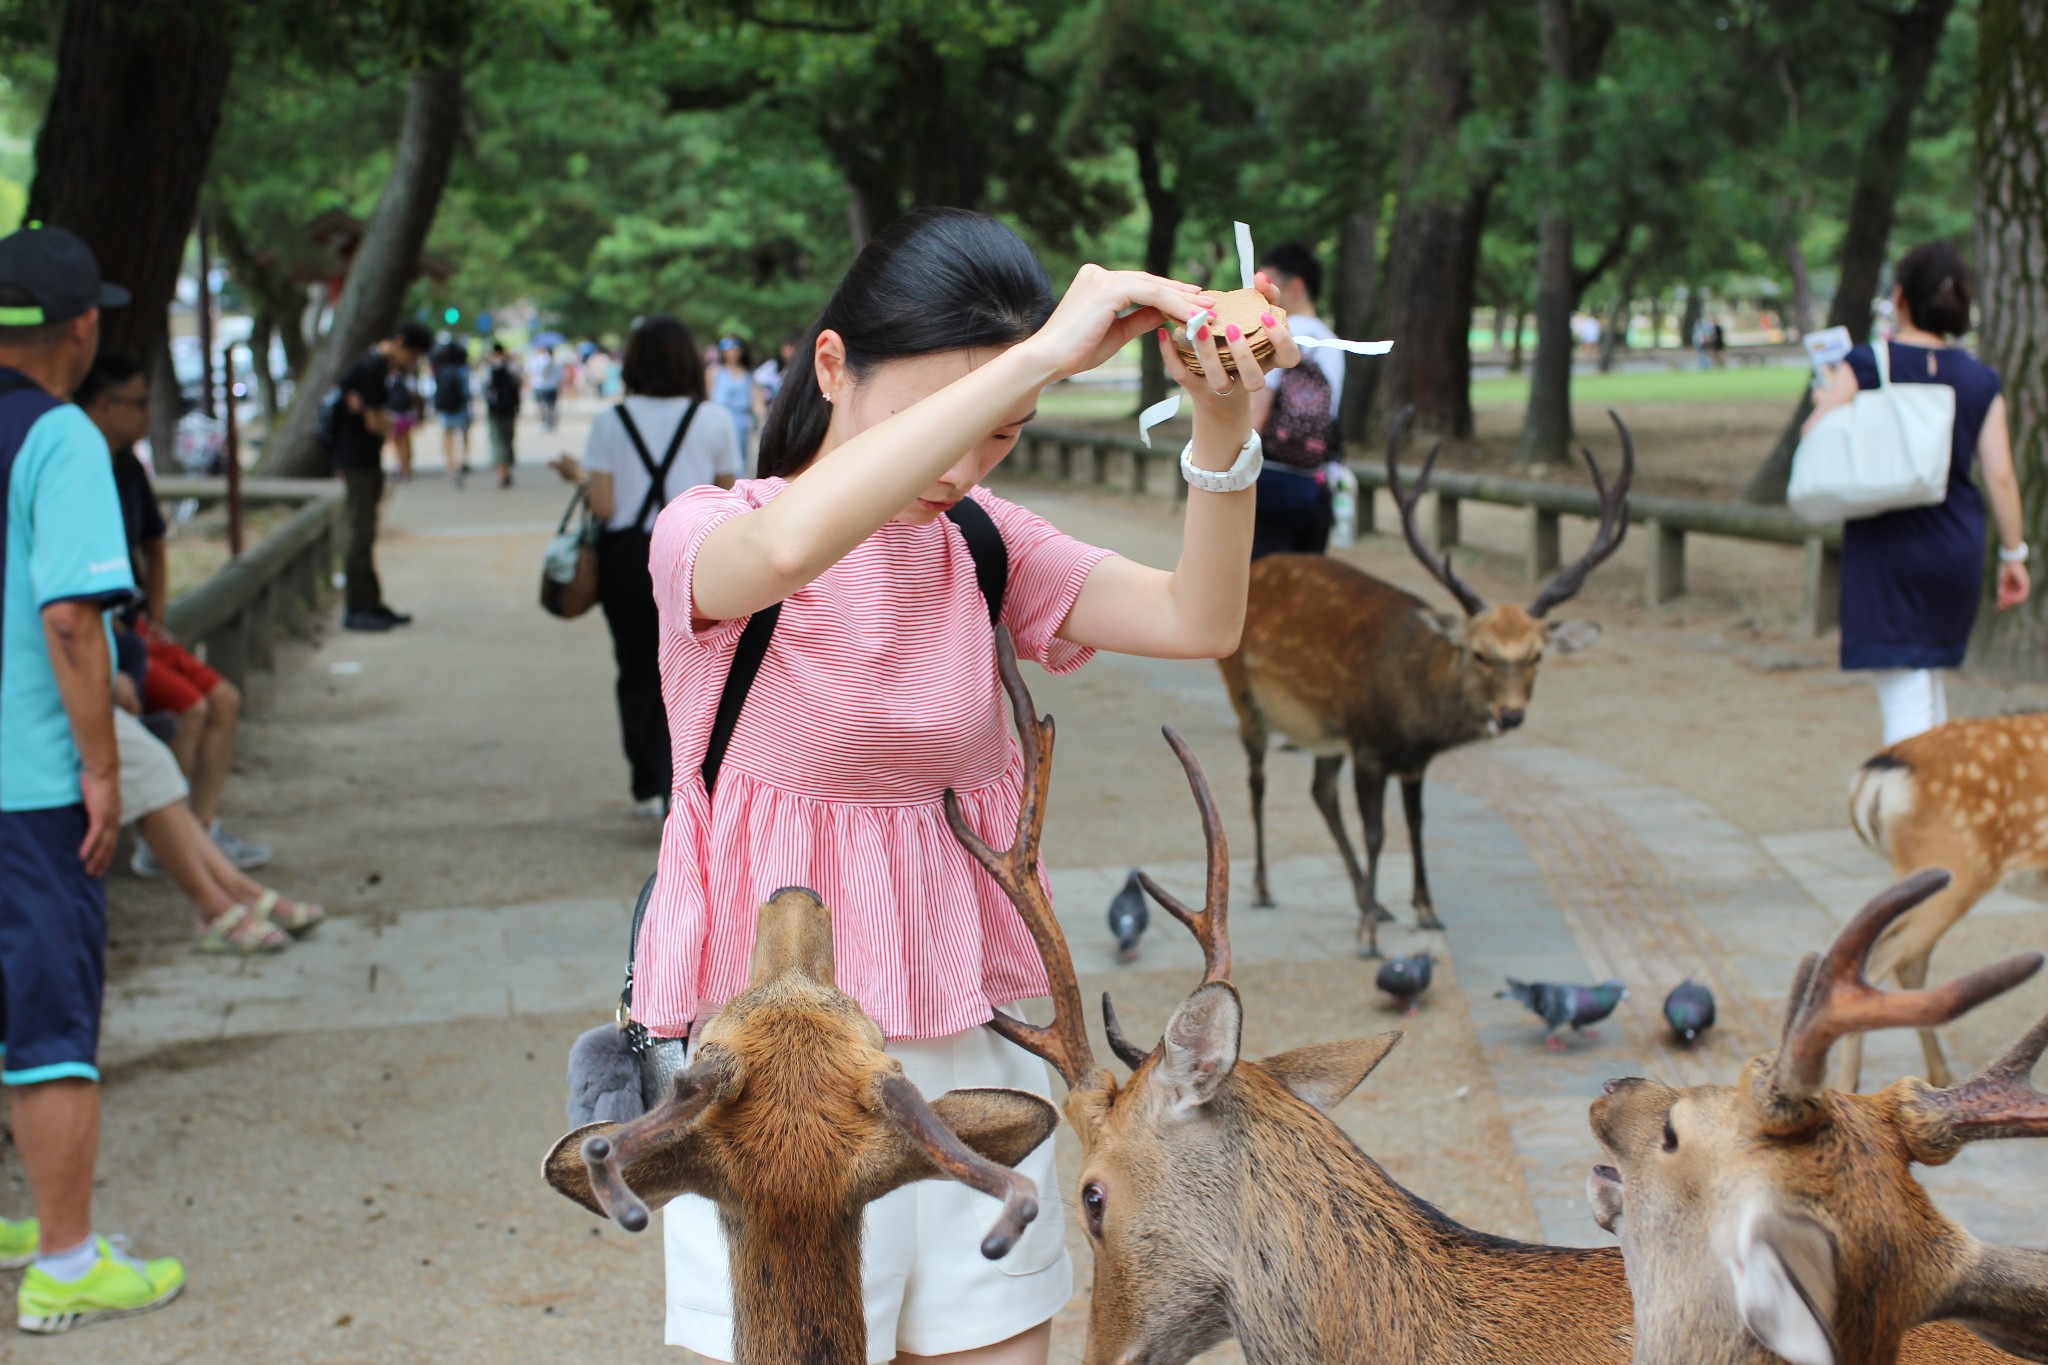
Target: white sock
(68,1267)
(1912,700)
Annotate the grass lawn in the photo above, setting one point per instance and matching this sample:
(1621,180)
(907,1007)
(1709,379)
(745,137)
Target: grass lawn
(1743,384)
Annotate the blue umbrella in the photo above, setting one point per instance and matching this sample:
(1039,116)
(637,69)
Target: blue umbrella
(549,339)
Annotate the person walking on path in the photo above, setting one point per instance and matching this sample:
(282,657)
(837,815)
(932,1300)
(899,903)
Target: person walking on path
(1296,414)
(1911,578)
(544,373)
(64,565)
(664,438)
(731,382)
(115,395)
(864,546)
(361,422)
(501,410)
(451,406)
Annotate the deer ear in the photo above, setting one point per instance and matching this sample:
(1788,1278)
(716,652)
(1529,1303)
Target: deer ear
(2002,1296)
(1200,1046)
(1452,628)
(1003,1125)
(1569,637)
(1783,1270)
(1324,1073)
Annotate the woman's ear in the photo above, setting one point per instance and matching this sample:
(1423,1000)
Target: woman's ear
(829,362)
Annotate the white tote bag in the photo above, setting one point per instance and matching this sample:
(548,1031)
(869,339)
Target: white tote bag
(1888,448)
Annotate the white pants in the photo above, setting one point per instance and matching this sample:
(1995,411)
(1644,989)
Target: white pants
(150,777)
(1912,700)
(927,1287)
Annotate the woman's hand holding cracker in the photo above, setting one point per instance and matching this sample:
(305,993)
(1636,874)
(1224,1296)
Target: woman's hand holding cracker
(1102,312)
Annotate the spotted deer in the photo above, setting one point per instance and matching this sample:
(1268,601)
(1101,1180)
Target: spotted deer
(1970,796)
(1775,1218)
(1221,1201)
(792,1120)
(1343,664)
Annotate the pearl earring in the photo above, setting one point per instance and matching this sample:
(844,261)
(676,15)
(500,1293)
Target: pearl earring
(827,397)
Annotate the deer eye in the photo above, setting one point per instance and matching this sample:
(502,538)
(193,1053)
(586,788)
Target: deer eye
(1093,1200)
(1670,1135)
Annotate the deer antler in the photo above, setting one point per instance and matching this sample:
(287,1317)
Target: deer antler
(1211,924)
(1835,999)
(1439,569)
(1613,524)
(1998,1102)
(1064,1042)
(660,1130)
(1020,1197)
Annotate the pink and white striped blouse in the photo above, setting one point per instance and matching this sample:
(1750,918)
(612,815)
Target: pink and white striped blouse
(878,692)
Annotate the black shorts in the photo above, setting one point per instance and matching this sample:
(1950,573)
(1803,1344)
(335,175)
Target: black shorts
(1295,513)
(53,948)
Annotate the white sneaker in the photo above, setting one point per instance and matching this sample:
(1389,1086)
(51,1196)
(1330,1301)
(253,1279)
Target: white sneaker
(653,808)
(144,863)
(246,854)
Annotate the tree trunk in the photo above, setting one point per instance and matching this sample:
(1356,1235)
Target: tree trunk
(1162,229)
(384,264)
(1520,325)
(261,330)
(2012,272)
(1547,421)
(1433,248)
(123,147)
(276,305)
(1873,204)
(1802,277)
(1357,289)
(1615,338)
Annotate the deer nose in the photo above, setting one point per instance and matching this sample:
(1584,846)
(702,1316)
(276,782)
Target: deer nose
(1510,717)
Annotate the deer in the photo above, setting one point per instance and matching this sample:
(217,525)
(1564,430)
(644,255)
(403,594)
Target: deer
(1970,796)
(1220,1200)
(1778,1219)
(791,1119)
(1345,664)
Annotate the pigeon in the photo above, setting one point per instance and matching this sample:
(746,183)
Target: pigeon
(1558,1006)
(1689,1009)
(1128,917)
(1406,978)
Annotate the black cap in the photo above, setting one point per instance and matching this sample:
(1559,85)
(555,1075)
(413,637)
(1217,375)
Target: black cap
(57,273)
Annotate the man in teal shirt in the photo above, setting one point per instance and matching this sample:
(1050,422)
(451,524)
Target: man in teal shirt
(63,563)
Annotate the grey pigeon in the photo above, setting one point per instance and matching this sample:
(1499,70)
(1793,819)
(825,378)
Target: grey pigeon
(1406,978)
(1558,1005)
(1128,917)
(1689,1009)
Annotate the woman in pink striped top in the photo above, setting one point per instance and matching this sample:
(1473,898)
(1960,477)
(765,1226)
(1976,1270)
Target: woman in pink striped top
(878,691)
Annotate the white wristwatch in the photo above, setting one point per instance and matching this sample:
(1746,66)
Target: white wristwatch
(1240,476)
(2018,556)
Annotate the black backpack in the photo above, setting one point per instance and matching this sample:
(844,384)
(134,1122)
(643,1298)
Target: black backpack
(1299,431)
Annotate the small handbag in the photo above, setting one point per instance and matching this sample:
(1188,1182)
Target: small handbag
(1890,447)
(619,1071)
(568,571)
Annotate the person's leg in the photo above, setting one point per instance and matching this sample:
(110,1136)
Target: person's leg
(626,592)
(365,490)
(1033,1347)
(188,854)
(216,751)
(192,723)
(1907,699)
(57,1132)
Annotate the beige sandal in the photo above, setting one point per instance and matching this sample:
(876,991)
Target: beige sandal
(239,932)
(296,918)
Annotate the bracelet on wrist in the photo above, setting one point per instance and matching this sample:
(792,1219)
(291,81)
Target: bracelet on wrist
(2017,555)
(1251,458)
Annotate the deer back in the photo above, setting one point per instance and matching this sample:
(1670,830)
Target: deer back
(1970,796)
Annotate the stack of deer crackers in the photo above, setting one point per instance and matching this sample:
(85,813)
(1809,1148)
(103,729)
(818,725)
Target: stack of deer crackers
(1244,307)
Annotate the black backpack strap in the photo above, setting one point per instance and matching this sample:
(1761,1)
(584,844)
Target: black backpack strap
(657,475)
(991,574)
(636,1035)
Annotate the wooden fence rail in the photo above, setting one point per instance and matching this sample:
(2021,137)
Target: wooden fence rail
(1094,457)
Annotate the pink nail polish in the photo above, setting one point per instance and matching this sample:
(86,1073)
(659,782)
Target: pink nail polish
(1233,333)
(1162,334)
(1212,315)
(1268,320)
(1203,335)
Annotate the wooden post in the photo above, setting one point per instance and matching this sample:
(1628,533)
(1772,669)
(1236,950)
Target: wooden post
(260,623)
(1066,462)
(1368,520)
(1667,563)
(227,651)
(1544,555)
(1140,463)
(1099,474)
(1446,522)
(1822,608)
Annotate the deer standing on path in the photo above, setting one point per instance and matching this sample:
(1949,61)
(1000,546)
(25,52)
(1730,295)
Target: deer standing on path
(1342,663)
(792,1120)
(1970,796)
(1220,1200)
(1774,1218)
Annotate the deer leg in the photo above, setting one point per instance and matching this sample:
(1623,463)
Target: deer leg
(1411,807)
(1324,790)
(1253,733)
(1372,806)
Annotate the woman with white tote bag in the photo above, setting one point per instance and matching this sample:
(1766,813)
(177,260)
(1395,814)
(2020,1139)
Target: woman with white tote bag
(1910,578)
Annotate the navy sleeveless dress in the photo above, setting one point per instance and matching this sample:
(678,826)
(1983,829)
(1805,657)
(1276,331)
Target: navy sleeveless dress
(1911,579)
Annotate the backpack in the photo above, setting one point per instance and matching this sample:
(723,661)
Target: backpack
(1299,432)
(451,389)
(327,422)
(501,392)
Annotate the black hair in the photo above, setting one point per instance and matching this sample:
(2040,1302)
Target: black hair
(109,371)
(1298,262)
(414,336)
(661,359)
(1936,282)
(935,280)
(498,348)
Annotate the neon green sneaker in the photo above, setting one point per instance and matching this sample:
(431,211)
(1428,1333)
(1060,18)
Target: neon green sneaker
(116,1286)
(18,1242)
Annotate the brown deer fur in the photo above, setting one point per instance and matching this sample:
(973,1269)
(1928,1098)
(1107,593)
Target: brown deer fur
(1776,1220)
(1344,665)
(792,1119)
(1970,796)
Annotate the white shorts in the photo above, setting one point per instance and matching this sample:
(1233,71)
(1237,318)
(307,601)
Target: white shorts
(929,1290)
(150,776)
